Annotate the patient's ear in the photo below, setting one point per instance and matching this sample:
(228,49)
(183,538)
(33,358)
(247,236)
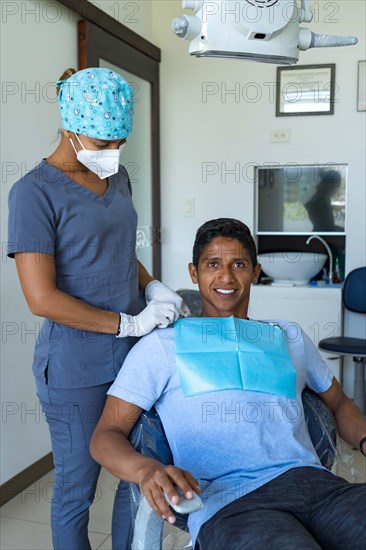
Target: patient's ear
(193,273)
(256,272)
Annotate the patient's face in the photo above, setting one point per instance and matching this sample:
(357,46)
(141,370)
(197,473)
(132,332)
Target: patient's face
(224,276)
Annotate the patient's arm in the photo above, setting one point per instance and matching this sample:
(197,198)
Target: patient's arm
(350,421)
(110,447)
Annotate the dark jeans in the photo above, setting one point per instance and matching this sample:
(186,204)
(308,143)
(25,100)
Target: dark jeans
(303,509)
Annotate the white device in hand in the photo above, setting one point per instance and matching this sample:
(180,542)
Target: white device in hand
(185,505)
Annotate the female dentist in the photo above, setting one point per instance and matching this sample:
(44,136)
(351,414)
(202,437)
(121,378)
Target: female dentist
(72,231)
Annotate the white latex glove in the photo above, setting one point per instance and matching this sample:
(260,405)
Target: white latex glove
(156,314)
(156,290)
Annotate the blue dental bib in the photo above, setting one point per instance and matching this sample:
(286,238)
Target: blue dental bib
(222,353)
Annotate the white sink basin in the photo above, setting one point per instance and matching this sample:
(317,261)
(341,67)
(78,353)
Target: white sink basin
(296,268)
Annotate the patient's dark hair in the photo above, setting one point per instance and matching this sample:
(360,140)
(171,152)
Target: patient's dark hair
(224,227)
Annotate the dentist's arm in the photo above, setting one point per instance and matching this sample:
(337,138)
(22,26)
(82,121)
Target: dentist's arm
(144,276)
(110,447)
(37,275)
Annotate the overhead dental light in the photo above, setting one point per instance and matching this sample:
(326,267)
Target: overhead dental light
(259,30)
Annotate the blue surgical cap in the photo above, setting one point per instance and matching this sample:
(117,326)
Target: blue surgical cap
(97,103)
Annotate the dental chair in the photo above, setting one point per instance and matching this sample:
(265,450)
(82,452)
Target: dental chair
(148,438)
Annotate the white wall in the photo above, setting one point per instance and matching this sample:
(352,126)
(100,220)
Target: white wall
(30,35)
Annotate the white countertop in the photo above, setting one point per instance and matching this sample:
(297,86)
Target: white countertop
(337,286)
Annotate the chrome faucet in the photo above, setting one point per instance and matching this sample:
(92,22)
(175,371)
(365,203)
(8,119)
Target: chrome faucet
(326,246)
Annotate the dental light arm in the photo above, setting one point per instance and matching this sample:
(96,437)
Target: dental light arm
(260,30)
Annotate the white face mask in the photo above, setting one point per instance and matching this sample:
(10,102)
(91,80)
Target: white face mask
(103,163)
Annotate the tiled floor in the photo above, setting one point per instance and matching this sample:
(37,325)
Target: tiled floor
(25,519)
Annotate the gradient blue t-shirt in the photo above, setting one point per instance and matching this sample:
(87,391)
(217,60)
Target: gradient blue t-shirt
(232,441)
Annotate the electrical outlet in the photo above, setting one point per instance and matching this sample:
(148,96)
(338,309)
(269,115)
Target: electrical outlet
(280,135)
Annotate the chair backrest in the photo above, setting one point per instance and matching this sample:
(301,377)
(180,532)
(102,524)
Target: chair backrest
(193,300)
(354,290)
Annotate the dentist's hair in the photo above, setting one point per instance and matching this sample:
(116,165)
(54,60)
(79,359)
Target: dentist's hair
(224,227)
(65,75)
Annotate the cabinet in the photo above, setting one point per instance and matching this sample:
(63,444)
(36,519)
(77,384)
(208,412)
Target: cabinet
(317,310)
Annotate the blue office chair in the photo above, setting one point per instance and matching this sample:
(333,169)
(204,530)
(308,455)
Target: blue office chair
(148,437)
(354,299)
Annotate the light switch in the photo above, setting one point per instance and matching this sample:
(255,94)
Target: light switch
(189,206)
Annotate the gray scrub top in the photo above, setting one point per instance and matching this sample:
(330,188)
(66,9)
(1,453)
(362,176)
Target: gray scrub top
(93,241)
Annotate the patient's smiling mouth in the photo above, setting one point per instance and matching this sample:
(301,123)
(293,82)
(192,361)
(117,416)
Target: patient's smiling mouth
(225,291)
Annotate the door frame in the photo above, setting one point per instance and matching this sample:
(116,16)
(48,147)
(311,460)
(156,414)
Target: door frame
(101,36)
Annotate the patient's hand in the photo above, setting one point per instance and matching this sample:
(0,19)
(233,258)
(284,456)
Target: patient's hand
(157,479)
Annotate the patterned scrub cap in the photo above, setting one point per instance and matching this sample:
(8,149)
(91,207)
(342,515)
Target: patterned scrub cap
(97,103)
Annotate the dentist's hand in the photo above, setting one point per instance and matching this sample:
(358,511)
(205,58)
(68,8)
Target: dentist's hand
(156,290)
(155,314)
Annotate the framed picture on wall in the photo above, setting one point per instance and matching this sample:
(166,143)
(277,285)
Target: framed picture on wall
(361,86)
(305,90)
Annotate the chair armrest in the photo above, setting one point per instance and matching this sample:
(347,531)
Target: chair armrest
(321,425)
(148,437)
(148,529)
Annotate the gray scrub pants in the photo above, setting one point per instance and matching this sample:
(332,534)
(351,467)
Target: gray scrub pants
(303,509)
(72,416)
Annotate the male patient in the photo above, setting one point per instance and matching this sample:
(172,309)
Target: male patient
(246,451)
